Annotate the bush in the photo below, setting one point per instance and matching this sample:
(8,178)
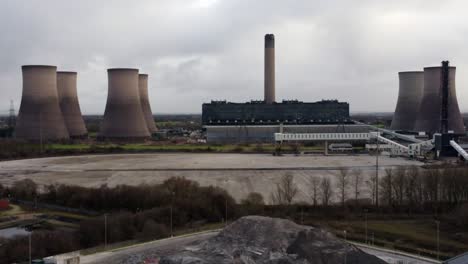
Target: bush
(152,230)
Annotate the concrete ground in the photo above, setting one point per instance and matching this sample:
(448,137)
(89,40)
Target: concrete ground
(239,174)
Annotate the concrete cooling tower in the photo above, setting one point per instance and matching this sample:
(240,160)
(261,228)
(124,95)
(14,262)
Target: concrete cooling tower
(40,117)
(409,99)
(68,98)
(430,111)
(269,68)
(144,100)
(123,117)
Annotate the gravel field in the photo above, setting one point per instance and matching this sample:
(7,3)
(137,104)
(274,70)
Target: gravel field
(240,174)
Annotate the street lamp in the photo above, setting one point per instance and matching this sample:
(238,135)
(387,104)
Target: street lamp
(30,259)
(438,238)
(346,253)
(172,204)
(226,216)
(105,231)
(365,215)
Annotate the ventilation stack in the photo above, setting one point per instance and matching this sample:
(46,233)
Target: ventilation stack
(269,68)
(431,109)
(145,104)
(123,117)
(68,98)
(409,99)
(40,117)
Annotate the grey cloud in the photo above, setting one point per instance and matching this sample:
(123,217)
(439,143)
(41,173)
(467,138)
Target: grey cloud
(349,50)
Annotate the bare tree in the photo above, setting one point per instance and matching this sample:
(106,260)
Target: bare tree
(386,186)
(342,184)
(357,180)
(285,191)
(314,183)
(326,191)
(371,187)
(398,184)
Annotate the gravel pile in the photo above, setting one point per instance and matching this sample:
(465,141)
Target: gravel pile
(256,239)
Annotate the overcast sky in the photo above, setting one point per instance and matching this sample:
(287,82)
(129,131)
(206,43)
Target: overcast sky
(198,50)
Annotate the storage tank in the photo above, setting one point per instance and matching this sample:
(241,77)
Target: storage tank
(123,116)
(411,85)
(69,104)
(269,68)
(430,110)
(40,117)
(145,104)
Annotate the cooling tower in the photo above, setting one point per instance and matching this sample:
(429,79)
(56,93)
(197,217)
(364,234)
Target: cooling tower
(123,117)
(430,110)
(68,98)
(269,68)
(409,99)
(39,117)
(144,100)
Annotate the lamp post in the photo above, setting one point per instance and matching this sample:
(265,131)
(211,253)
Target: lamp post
(438,238)
(105,231)
(346,253)
(30,259)
(365,215)
(377,172)
(171,209)
(226,216)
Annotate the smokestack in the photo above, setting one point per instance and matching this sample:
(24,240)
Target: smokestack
(123,117)
(269,68)
(68,98)
(409,99)
(144,100)
(40,117)
(430,112)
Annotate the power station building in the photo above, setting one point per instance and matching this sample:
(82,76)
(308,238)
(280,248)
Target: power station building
(40,117)
(123,116)
(257,121)
(69,104)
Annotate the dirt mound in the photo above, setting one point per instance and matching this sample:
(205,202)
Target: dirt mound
(256,239)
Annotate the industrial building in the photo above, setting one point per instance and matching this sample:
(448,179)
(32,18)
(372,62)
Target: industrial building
(123,116)
(40,117)
(258,121)
(145,104)
(411,85)
(69,104)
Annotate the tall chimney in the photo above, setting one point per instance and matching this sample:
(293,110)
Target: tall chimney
(269,68)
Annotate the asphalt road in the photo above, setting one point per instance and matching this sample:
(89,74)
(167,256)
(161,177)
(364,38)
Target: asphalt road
(148,251)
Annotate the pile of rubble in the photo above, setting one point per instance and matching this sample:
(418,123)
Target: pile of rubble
(256,239)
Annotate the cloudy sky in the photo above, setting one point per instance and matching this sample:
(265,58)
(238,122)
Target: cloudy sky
(198,50)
